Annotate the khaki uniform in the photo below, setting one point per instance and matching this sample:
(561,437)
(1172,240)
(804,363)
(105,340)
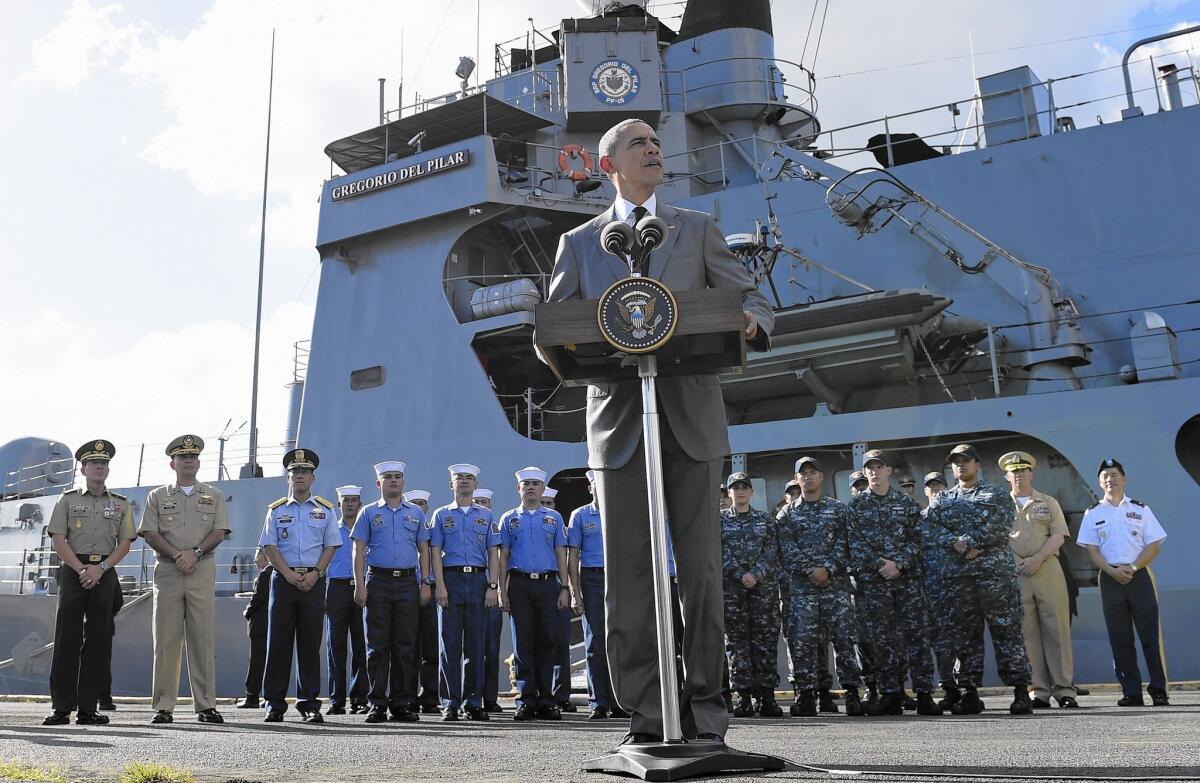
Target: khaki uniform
(1044,601)
(184,603)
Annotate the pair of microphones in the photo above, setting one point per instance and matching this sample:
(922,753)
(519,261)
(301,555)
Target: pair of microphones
(634,244)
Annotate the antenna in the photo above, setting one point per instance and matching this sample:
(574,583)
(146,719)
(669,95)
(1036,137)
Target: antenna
(221,439)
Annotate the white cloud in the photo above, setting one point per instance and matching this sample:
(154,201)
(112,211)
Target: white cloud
(87,37)
(188,379)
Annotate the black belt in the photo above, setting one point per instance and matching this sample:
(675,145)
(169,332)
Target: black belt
(399,573)
(466,569)
(92,559)
(536,575)
(340,579)
(592,569)
(303,569)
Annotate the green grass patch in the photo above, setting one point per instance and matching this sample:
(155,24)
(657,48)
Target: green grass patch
(137,772)
(15,770)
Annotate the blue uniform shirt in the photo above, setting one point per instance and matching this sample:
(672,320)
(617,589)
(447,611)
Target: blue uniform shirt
(300,530)
(585,534)
(391,535)
(463,537)
(340,565)
(531,538)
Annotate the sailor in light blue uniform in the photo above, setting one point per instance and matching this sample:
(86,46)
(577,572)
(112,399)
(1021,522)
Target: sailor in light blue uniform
(391,549)
(585,555)
(299,537)
(428,643)
(343,617)
(460,535)
(533,587)
(493,630)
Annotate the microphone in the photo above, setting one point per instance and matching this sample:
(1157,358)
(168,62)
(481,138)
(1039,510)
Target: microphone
(651,231)
(617,238)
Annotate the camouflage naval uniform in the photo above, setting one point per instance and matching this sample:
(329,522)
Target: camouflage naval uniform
(751,616)
(982,589)
(888,527)
(812,534)
(938,615)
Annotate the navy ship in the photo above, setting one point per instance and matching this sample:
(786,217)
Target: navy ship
(995,269)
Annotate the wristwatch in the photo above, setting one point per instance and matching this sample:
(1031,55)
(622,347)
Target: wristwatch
(104,566)
(431,580)
(493,586)
(199,552)
(320,573)
(1133,567)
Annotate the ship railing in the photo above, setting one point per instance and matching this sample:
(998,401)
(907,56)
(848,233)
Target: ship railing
(235,570)
(35,479)
(526,42)
(544,87)
(1063,93)
(300,351)
(759,79)
(540,175)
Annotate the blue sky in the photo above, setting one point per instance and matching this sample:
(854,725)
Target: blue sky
(134,134)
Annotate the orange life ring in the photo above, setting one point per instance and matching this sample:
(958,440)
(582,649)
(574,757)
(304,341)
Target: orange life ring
(570,151)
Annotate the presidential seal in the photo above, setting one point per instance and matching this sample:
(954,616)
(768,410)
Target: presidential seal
(615,82)
(637,315)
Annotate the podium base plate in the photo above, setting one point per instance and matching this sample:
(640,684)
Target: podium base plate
(676,761)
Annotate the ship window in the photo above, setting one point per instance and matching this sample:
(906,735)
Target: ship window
(366,378)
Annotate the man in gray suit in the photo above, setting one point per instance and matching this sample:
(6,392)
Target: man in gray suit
(695,442)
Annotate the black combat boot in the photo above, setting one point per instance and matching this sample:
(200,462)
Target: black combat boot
(825,702)
(854,706)
(953,696)
(767,706)
(926,705)
(887,704)
(805,705)
(745,706)
(969,704)
(872,694)
(1021,704)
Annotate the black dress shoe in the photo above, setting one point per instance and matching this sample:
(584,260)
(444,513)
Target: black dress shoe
(449,714)
(709,737)
(273,716)
(57,718)
(359,709)
(639,738)
(377,715)
(107,706)
(163,716)
(1068,703)
(335,709)
(598,713)
(248,703)
(616,712)
(404,716)
(1159,699)
(492,706)
(567,706)
(1040,704)
(1132,701)
(525,712)
(312,717)
(90,719)
(549,712)
(430,709)
(209,716)
(1081,691)
(476,713)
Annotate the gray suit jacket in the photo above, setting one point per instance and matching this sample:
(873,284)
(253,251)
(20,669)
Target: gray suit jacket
(693,256)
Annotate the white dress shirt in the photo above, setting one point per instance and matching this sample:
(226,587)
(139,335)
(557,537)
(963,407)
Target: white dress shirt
(623,210)
(1120,531)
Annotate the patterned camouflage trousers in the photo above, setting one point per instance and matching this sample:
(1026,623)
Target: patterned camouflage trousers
(894,613)
(816,616)
(940,631)
(751,634)
(994,598)
(823,673)
(866,660)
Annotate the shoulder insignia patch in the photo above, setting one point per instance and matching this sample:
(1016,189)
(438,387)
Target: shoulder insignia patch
(322,501)
(1089,508)
(1137,502)
(277,503)
(118,495)
(76,491)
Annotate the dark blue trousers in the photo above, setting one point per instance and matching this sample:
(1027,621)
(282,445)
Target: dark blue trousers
(460,666)
(428,646)
(599,686)
(294,620)
(344,618)
(493,626)
(392,615)
(535,633)
(1127,607)
(562,657)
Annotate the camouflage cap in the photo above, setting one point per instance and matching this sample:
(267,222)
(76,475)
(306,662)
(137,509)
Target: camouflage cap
(935,476)
(875,455)
(806,460)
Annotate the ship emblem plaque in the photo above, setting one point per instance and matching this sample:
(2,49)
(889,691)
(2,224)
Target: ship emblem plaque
(637,315)
(615,82)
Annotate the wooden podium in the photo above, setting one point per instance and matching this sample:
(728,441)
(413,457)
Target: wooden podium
(640,330)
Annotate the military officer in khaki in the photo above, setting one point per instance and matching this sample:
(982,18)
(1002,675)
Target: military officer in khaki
(91,529)
(184,522)
(1039,531)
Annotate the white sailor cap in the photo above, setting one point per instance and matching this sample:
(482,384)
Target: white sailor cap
(464,467)
(348,489)
(483,493)
(416,494)
(591,475)
(531,473)
(550,493)
(389,467)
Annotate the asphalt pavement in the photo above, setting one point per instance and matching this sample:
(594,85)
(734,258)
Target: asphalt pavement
(1097,741)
